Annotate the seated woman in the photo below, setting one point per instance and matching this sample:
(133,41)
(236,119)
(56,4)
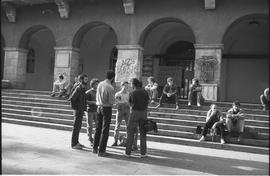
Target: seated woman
(235,120)
(151,88)
(265,99)
(169,93)
(195,90)
(213,120)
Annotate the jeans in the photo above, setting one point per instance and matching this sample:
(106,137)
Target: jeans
(137,118)
(104,115)
(171,98)
(76,127)
(91,117)
(238,127)
(122,113)
(208,125)
(221,128)
(194,96)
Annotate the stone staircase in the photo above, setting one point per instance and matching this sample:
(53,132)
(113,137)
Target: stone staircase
(37,108)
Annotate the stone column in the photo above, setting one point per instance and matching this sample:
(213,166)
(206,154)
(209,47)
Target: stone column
(129,63)
(208,69)
(66,62)
(15,67)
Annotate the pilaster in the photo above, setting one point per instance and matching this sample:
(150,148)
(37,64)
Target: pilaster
(207,68)
(15,67)
(66,62)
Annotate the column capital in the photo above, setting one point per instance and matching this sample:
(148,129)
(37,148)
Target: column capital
(66,48)
(7,49)
(129,47)
(208,46)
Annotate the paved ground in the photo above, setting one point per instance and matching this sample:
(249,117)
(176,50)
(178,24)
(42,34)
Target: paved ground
(31,150)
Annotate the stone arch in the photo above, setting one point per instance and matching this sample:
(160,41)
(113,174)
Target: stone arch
(156,39)
(96,41)
(40,42)
(246,58)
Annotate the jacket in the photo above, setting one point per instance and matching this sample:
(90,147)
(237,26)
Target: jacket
(78,98)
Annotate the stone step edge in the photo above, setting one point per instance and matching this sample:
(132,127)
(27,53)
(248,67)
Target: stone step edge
(173,140)
(70,121)
(67,120)
(169,113)
(62,100)
(184,100)
(151,117)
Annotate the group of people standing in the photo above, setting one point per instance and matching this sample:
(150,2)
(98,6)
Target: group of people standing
(98,102)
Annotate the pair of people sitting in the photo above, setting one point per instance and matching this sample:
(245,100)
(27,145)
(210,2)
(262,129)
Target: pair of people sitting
(234,121)
(61,88)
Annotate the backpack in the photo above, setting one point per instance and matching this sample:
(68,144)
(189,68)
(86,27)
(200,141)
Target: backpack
(150,125)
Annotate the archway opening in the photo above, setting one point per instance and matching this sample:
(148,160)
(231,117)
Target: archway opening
(246,59)
(96,42)
(40,43)
(169,52)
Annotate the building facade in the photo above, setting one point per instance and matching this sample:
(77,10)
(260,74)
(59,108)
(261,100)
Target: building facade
(225,44)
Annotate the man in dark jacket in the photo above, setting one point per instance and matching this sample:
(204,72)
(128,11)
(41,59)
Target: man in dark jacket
(169,93)
(78,103)
(138,100)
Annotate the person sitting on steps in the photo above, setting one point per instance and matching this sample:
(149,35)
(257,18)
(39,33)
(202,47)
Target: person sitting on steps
(60,87)
(195,90)
(169,93)
(213,117)
(151,89)
(265,101)
(235,120)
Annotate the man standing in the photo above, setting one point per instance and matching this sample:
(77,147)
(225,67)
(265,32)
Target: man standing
(104,101)
(78,103)
(138,100)
(122,105)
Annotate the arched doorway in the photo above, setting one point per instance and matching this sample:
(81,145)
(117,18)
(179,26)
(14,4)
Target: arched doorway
(169,51)
(2,56)
(246,59)
(40,43)
(96,42)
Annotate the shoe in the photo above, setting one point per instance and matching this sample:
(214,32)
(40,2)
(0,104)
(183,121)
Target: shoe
(77,146)
(114,144)
(144,156)
(198,104)
(189,104)
(157,106)
(53,95)
(202,139)
(126,155)
(222,141)
(152,102)
(102,154)
(177,107)
(95,151)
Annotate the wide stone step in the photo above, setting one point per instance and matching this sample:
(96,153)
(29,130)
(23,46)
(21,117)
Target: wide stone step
(223,105)
(54,112)
(164,129)
(154,113)
(174,140)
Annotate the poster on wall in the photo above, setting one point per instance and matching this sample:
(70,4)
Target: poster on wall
(62,60)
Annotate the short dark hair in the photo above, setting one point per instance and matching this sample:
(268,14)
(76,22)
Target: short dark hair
(151,79)
(123,83)
(136,82)
(110,74)
(93,82)
(82,76)
(236,103)
(61,77)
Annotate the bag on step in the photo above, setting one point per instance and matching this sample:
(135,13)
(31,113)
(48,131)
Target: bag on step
(199,129)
